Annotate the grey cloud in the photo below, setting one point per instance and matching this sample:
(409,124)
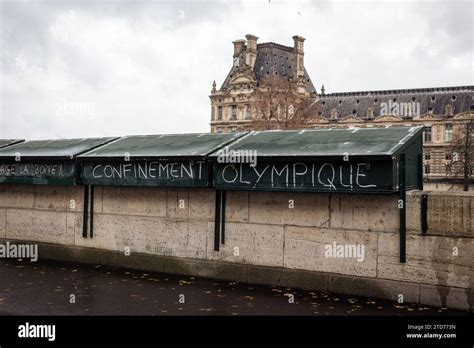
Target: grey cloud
(159,81)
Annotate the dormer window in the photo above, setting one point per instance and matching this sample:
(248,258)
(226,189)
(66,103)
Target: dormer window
(449,110)
(334,114)
(370,113)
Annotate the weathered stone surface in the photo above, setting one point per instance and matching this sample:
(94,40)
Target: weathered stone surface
(187,240)
(51,197)
(201,203)
(38,225)
(237,206)
(413,212)
(288,278)
(76,198)
(249,243)
(139,261)
(3,222)
(142,201)
(343,212)
(430,260)
(441,296)
(206,268)
(450,214)
(372,287)
(177,203)
(364,212)
(71,225)
(138,233)
(68,253)
(17,196)
(382,212)
(276,245)
(98,199)
(305,248)
(271,208)
(146,235)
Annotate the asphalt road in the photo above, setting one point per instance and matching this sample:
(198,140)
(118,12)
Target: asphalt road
(47,288)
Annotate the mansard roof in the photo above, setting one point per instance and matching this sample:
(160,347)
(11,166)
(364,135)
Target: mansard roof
(272,58)
(431,100)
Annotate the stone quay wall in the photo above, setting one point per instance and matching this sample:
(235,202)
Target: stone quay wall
(271,238)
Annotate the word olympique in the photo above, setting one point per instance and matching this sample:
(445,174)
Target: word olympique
(319,175)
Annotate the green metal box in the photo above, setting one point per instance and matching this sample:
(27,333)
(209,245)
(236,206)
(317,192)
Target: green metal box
(48,162)
(358,160)
(168,160)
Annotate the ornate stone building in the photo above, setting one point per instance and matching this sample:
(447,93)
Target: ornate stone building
(231,105)
(443,111)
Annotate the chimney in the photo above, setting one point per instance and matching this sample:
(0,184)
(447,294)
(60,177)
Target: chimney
(298,51)
(238,45)
(251,54)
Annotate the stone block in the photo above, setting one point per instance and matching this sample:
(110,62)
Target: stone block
(249,244)
(430,260)
(312,249)
(206,269)
(177,203)
(51,197)
(38,225)
(140,201)
(17,196)
(289,208)
(237,206)
(201,203)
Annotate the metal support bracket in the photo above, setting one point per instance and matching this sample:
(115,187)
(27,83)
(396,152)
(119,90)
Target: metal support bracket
(88,219)
(424,214)
(402,206)
(219,223)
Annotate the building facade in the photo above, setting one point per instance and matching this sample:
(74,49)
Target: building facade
(231,105)
(444,111)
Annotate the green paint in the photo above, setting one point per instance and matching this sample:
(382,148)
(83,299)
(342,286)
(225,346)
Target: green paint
(174,173)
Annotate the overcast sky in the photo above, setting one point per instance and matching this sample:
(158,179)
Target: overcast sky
(101,68)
